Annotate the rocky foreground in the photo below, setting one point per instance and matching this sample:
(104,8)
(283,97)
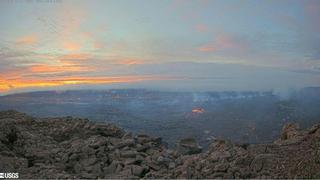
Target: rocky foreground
(77,148)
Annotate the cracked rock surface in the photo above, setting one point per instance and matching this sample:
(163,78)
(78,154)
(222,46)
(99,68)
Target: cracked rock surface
(78,148)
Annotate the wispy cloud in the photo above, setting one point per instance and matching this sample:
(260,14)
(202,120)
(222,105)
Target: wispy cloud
(130,61)
(72,59)
(27,40)
(103,39)
(47,69)
(9,85)
(71,45)
(207,48)
(224,42)
(312,10)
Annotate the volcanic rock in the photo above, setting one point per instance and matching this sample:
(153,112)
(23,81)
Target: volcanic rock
(188,146)
(73,148)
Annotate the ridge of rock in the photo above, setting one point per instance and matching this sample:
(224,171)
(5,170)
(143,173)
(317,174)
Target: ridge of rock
(78,148)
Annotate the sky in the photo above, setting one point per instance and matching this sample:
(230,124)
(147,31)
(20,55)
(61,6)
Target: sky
(180,45)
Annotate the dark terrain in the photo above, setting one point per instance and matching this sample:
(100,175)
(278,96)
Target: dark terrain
(244,117)
(78,148)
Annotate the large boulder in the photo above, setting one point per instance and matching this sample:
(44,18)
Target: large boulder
(290,134)
(188,146)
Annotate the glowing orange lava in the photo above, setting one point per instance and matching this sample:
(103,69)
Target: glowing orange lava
(198,110)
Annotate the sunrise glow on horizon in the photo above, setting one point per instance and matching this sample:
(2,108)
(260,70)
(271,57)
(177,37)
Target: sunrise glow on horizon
(169,44)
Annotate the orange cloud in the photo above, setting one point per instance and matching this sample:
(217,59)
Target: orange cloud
(131,62)
(76,56)
(71,46)
(207,48)
(7,85)
(98,45)
(223,42)
(73,59)
(4,87)
(27,40)
(58,69)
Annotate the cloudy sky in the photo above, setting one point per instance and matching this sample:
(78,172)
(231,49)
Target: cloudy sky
(169,44)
